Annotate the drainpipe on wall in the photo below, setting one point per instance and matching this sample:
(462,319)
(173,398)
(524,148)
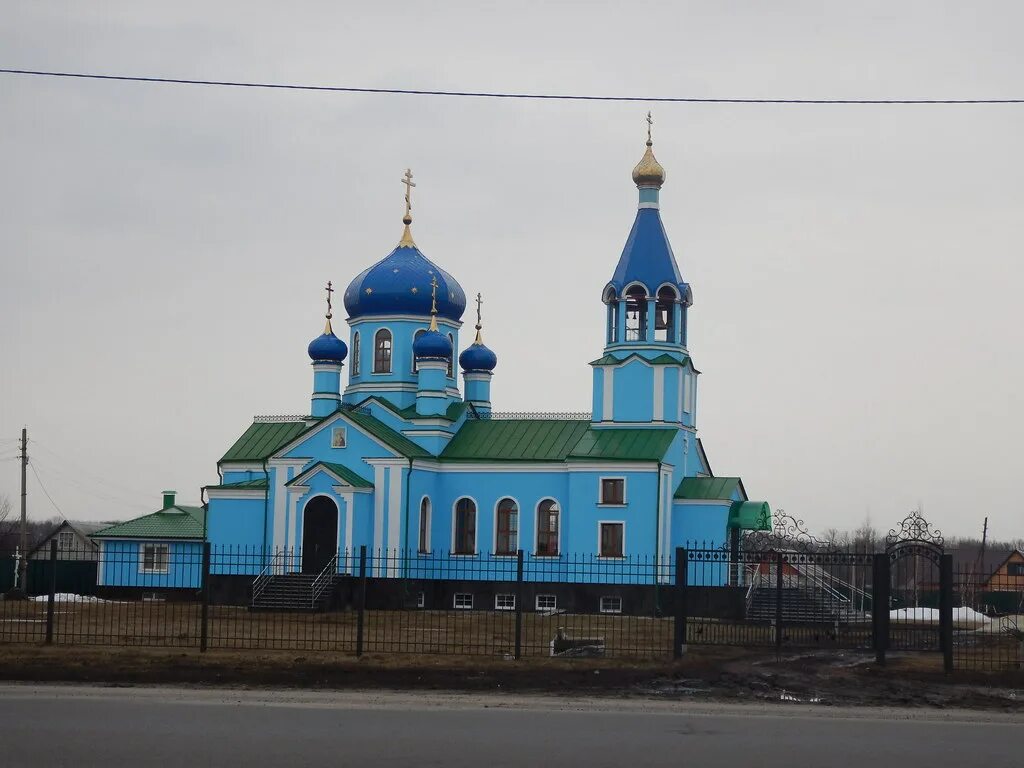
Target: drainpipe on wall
(657,553)
(405,557)
(266,509)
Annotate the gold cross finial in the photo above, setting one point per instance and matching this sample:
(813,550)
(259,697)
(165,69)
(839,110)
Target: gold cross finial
(650,122)
(408,196)
(479,324)
(433,303)
(330,290)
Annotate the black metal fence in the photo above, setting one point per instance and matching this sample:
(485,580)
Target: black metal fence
(782,594)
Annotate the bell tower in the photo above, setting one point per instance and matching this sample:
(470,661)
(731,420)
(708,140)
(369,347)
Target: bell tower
(645,375)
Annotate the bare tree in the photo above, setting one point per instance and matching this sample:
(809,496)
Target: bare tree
(7,525)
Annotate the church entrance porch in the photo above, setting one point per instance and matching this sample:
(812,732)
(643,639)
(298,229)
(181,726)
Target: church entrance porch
(319,534)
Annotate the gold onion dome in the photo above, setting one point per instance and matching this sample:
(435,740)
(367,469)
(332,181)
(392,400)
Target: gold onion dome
(648,172)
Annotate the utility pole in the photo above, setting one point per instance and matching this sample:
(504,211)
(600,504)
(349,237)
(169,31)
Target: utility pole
(23,539)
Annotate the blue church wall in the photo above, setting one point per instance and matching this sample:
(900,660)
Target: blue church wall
(358,446)
(238,476)
(236,523)
(122,562)
(634,392)
(670,411)
(403,332)
(597,407)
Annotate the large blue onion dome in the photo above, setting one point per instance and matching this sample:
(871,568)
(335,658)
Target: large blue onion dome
(432,344)
(327,347)
(400,284)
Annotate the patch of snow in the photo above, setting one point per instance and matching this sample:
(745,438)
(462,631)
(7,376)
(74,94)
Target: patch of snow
(961,616)
(67,597)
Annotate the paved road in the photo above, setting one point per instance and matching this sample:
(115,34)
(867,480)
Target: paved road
(85,726)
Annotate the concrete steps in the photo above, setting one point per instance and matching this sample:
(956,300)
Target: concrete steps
(291,592)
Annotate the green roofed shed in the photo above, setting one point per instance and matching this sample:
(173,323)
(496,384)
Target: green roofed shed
(750,516)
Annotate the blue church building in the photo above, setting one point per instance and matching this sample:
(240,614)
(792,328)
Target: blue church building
(394,456)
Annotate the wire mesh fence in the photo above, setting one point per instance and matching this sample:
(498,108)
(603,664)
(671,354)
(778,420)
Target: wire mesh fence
(187,594)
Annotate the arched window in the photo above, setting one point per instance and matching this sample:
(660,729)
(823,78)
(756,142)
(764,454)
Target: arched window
(636,314)
(451,341)
(355,353)
(547,528)
(506,527)
(424,539)
(664,315)
(613,315)
(465,527)
(415,336)
(382,351)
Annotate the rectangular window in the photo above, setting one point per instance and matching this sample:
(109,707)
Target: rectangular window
(504,602)
(421,599)
(611,604)
(613,490)
(65,541)
(154,558)
(547,603)
(611,539)
(339,439)
(687,387)
(463,601)
(1015,569)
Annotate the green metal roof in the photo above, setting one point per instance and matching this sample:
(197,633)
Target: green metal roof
(346,474)
(553,440)
(708,488)
(176,522)
(387,435)
(261,439)
(258,484)
(409,414)
(750,515)
(623,444)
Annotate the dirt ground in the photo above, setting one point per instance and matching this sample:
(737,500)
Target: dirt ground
(705,674)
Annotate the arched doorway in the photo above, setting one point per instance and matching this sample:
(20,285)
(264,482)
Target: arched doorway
(319,534)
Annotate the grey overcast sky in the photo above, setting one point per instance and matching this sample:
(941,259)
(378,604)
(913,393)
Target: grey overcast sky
(855,270)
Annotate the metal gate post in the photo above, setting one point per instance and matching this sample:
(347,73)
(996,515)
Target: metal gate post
(946,611)
(679,630)
(204,591)
(53,592)
(519,604)
(361,600)
(880,577)
(778,602)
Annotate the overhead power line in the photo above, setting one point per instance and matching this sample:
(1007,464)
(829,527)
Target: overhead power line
(31,466)
(491,94)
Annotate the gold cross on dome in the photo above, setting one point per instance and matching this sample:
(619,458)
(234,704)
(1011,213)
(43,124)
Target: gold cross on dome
(409,184)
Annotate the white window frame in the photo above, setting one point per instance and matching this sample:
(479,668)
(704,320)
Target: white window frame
(65,536)
(343,431)
(421,599)
(476,528)
(456,600)
(613,604)
(611,522)
(142,557)
(505,601)
(391,359)
(600,491)
(519,526)
(536,528)
(427,513)
(538,607)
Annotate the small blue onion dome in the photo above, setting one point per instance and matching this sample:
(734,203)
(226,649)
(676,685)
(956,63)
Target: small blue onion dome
(477,357)
(327,348)
(432,344)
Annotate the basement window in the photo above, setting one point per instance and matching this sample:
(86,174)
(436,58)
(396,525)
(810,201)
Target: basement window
(547,603)
(463,601)
(610,604)
(505,602)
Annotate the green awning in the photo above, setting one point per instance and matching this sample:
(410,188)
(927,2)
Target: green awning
(750,515)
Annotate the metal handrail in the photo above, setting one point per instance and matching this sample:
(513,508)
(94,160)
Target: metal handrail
(264,577)
(755,584)
(323,580)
